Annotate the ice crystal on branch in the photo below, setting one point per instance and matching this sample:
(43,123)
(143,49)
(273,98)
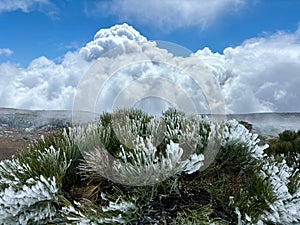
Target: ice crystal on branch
(30,203)
(131,154)
(144,165)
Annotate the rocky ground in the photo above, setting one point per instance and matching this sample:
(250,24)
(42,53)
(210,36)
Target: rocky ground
(13,140)
(19,128)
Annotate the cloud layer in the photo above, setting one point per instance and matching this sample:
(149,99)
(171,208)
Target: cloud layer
(260,75)
(27,6)
(168,13)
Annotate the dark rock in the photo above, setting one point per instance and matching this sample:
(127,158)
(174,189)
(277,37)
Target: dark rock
(249,126)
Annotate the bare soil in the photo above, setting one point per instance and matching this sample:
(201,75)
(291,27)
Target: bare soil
(13,140)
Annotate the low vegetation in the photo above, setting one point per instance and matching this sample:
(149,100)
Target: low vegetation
(133,168)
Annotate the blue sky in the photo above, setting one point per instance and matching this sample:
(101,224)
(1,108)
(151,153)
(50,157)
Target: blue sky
(51,28)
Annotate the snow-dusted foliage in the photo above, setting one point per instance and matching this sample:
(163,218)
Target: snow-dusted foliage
(48,162)
(32,203)
(150,149)
(128,127)
(91,215)
(114,211)
(144,165)
(29,186)
(137,150)
(278,176)
(236,133)
(285,209)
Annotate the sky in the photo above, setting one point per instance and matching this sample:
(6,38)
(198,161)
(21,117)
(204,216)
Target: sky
(251,47)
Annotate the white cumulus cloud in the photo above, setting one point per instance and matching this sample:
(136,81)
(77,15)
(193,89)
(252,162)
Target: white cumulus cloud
(6,51)
(167,13)
(116,37)
(260,75)
(45,84)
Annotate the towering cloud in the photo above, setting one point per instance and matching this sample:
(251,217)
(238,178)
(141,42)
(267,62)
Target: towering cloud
(262,74)
(105,40)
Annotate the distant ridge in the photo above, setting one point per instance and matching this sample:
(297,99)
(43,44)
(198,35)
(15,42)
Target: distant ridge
(270,124)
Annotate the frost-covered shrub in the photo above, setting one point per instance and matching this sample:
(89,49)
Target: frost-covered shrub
(285,209)
(117,212)
(47,162)
(149,149)
(273,195)
(287,135)
(31,203)
(29,189)
(148,167)
(189,163)
(288,144)
(32,181)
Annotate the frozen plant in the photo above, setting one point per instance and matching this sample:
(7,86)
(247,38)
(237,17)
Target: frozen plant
(86,214)
(30,185)
(284,205)
(285,209)
(127,129)
(144,165)
(31,203)
(130,147)
(236,133)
